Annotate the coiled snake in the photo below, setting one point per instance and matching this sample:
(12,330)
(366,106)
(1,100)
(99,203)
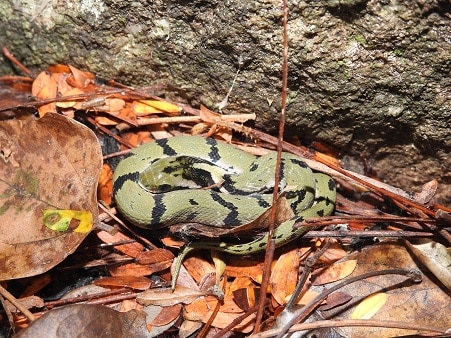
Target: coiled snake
(161,183)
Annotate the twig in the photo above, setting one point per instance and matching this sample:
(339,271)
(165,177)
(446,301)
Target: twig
(270,247)
(412,274)
(354,322)
(109,133)
(143,121)
(14,301)
(309,263)
(203,333)
(235,322)
(369,233)
(19,65)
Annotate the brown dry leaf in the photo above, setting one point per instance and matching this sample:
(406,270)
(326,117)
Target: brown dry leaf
(80,79)
(156,255)
(115,104)
(208,115)
(27,302)
(198,268)
(333,253)
(87,321)
(132,282)
(335,299)
(105,185)
(134,269)
(188,328)
(45,87)
(284,275)
(130,249)
(39,282)
(239,283)
(69,92)
(306,297)
(57,168)
(167,315)
(238,267)
(246,298)
(105,121)
(166,297)
(336,272)
(127,115)
(424,303)
(138,138)
(435,256)
(244,293)
(202,309)
(59,68)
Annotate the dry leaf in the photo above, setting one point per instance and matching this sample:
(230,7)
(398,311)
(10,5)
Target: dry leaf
(166,297)
(64,89)
(189,328)
(246,298)
(368,307)
(142,109)
(156,255)
(202,309)
(335,272)
(132,282)
(134,269)
(163,106)
(167,315)
(335,299)
(61,220)
(59,68)
(198,269)
(238,267)
(130,249)
(306,297)
(105,185)
(45,87)
(57,168)
(80,79)
(436,257)
(115,104)
(87,321)
(284,275)
(425,302)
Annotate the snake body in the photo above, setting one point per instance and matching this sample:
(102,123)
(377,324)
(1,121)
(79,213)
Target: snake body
(164,183)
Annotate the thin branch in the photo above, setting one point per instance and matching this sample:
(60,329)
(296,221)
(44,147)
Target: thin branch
(269,254)
(354,322)
(411,274)
(14,301)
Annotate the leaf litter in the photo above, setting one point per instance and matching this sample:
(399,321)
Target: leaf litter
(29,190)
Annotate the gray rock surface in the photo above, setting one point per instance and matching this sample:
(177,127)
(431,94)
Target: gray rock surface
(371,78)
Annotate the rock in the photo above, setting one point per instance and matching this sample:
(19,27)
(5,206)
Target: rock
(368,77)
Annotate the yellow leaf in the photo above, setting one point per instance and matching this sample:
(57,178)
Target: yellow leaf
(142,109)
(369,306)
(59,220)
(162,106)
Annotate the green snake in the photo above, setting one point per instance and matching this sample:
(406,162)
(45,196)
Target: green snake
(165,182)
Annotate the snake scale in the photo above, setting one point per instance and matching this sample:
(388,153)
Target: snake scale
(164,182)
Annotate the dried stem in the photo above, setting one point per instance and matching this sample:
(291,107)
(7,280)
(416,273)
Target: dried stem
(269,254)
